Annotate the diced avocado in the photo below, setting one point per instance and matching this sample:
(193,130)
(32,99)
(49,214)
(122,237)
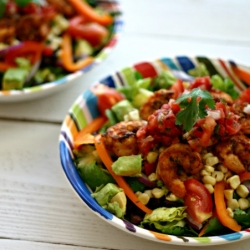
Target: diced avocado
(14,78)
(83,47)
(130,165)
(122,108)
(111,198)
(140,98)
(105,194)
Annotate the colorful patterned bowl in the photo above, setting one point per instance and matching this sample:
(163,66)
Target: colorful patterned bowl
(35,92)
(85,109)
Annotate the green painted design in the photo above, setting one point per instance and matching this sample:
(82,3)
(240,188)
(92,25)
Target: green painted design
(35,89)
(79,116)
(129,75)
(102,55)
(209,65)
(202,239)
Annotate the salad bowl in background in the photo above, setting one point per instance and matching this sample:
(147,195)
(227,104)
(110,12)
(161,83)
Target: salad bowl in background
(50,87)
(84,110)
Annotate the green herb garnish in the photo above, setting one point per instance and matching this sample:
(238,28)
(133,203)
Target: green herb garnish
(193,106)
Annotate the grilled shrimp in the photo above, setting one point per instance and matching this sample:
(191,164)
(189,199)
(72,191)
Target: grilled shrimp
(243,110)
(7,30)
(175,164)
(155,102)
(63,7)
(121,139)
(235,153)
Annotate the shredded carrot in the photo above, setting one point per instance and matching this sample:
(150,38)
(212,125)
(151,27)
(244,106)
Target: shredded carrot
(242,74)
(84,136)
(106,159)
(90,13)
(203,230)
(67,57)
(221,209)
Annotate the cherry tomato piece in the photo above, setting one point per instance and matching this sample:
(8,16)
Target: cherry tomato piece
(198,201)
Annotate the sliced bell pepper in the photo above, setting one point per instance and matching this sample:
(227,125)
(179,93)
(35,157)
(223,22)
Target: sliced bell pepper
(221,209)
(244,176)
(67,57)
(30,50)
(84,9)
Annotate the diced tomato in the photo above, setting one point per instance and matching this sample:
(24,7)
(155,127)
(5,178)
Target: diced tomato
(198,201)
(203,83)
(149,168)
(178,88)
(245,96)
(106,97)
(208,129)
(94,33)
(232,126)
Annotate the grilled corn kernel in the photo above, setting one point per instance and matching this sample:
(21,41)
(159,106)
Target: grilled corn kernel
(204,172)
(233,204)
(228,193)
(152,157)
(210,188)
(213,160)
(234,181)
(227,175)
(207,179)
(222,168)
(243,203)
(209,169)
(157,193)
(218,175)
(230,212)
(171,197)
(149,193)
(205,156)
(242,191)
(152,177)
(144,198)
(138,193)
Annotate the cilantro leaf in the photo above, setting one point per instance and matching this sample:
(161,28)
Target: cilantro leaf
(193,107)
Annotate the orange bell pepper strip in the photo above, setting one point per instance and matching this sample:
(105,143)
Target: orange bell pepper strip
(244,176)
(221,209)
(90,13)
(84,136)
(106,159)
(242,74)
(67,57)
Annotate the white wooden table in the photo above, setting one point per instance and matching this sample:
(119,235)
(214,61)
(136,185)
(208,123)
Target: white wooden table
(38,208)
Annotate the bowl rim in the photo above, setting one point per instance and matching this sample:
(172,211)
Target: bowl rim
(82,191)
(100,57)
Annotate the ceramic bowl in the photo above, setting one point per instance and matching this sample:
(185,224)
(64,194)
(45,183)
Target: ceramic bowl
(84,110)
(32,93)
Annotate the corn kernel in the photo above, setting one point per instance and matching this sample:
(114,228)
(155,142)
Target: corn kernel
(138,193)
(233,204)
(228,193)
(243,203)
(210,188)
(218,175)
(171,197)
(209,169)
(212,160)
(149,193)
(222,169)
(209,180)
(230,212)
(144,198)
(153,177)
(204,172)
(234,181)
(158,193)
(205,156)
(242,191)
(152,157)
(227,175)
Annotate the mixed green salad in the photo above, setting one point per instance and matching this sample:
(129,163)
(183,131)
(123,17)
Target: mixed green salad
(170,156)
(44,40)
